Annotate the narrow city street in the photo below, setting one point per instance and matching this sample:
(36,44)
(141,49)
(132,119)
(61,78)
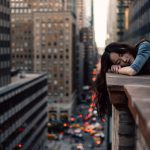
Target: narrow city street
(82,132)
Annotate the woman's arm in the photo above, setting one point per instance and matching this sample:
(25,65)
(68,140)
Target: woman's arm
(127,71)
(143,55)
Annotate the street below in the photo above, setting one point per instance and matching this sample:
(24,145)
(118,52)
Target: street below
(83,131)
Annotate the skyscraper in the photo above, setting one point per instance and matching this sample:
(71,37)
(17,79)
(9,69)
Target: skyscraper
(4,43)
(89,47)
(112,22)
(43,40)
(122,18)
(23,115)
(87,38)
(80,11)
(139,21)
(23,98)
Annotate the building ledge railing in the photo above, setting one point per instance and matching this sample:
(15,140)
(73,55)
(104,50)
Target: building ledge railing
(130,99)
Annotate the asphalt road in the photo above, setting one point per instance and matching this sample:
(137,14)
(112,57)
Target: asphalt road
(69,142)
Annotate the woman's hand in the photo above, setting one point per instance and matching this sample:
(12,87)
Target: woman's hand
(115,68)
(127,71)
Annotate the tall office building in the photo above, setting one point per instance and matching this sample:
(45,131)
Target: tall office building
(79,68)
(4,42)
(88,41)
(21,36)
(139,21)
(79,72)
(118,20)
(23,115)
(23,98)
(80,12)
(22,30)
(112,22)
(43,40)
(122,18)
(89,48)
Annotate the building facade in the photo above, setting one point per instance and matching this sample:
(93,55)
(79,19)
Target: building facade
(55,53)
(21,37)
(4,43)
(122,18)
(68,5)
(80,57)
(112,22)
(118,20)
(80,13)
(80,50)
(48,31)
(139,21)
(87,38)
(23,117)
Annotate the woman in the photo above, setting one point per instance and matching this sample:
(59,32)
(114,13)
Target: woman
(123,59)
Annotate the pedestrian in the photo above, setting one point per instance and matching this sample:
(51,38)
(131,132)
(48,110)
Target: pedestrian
(124,59)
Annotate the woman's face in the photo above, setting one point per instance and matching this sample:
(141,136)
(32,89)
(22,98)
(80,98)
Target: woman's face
(123,60)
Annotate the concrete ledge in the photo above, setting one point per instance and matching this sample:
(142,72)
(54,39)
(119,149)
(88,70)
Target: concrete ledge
(139,104)
(130,96)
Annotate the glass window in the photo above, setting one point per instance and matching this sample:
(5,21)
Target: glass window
(49,25)
(55,82)
(49,50)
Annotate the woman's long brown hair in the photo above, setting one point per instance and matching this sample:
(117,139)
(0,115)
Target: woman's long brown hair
(100,87)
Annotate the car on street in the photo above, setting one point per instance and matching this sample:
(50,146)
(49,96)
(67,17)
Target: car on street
(52,136)
(79,146)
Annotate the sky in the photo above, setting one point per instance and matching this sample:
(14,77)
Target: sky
(100,20)
(100,26)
